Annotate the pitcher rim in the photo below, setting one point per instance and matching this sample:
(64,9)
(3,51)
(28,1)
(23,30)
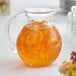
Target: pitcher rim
(39,10)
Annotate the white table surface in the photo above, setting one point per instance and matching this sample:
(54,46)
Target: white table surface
(11,64)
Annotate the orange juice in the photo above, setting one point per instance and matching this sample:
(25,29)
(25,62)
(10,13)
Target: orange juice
(39,44)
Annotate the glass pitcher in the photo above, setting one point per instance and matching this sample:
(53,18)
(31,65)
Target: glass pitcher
(38,42)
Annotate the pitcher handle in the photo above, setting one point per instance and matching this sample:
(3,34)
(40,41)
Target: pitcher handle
(10,42)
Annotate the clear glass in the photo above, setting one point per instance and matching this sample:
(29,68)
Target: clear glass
(38,42)
(71,25)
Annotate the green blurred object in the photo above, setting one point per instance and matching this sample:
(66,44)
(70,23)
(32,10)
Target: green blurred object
(4,7)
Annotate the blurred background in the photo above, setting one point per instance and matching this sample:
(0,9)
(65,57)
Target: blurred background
(17,5)
(13,6)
